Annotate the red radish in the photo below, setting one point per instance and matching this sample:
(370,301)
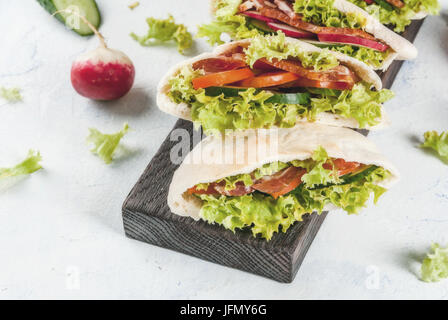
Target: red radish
(342,38)
(369,1)
(102,74)
(257,16)
(290,31)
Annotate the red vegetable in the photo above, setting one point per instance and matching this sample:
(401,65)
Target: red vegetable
(257,16)
(291,31)
(102,74)
(222,78)
(342,38)
(270,79)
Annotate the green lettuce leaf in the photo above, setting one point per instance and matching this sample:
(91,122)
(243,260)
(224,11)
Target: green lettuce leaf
(250,110)
(321,12)
(10,94)
(265,215)
(28,166)
(105,144)
(369,56)
(360,103)
(400,18)
(318,175)
(161,31)
(271,47)
(437,142)
(226,21)
(435,265)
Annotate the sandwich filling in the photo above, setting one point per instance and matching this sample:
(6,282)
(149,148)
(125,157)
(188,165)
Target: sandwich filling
(273,197)
(316,21)
(398,13)
(272,82)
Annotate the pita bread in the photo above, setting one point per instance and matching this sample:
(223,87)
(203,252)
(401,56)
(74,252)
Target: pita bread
(254,148)
(404,50)
(183,110)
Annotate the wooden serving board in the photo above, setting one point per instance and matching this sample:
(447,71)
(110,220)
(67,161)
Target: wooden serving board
(146,217)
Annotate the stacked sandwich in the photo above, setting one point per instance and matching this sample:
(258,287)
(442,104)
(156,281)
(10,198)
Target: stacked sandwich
(278,106)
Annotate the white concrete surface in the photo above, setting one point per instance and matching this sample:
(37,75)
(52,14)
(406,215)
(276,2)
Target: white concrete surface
(61,232)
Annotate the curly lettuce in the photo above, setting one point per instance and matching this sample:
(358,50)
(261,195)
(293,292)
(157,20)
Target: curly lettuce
(161,31)
(435,265)
(264,215)
(30,165)
(400,18)
(371,57)
(276,47)
(227,21)
(322,12)
(104,145)
(251,109)
(10,94)
(437,142)
(361,103)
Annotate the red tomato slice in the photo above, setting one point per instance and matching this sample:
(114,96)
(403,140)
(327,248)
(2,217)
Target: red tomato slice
(337,85)
(269,79)
(222,78)
(281,182)
(343,166)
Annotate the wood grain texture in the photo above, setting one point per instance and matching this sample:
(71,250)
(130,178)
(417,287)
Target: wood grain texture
(146,217)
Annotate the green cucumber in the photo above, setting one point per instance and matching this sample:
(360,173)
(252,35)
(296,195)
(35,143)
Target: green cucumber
(358,175)
(350,178)
(384,4)
(302,98)
(86,8)
(227,91)
(261,25)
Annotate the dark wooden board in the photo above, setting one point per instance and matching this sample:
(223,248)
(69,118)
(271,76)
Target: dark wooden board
(146,217)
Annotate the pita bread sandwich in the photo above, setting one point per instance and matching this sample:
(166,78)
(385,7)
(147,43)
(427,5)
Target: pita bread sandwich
(338,25)
(399,13)
(273,81)
(265,180)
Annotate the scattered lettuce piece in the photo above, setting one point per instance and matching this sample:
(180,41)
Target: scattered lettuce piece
(28,166)
(226,21)
(106,144)
(437,142)
(134,5)
(435,265)
(271,47)
(11,94)
(264,215)
(321,12)
(250,110)
(400,18)
(161,31)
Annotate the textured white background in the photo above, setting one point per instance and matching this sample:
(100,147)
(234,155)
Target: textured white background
(61,232)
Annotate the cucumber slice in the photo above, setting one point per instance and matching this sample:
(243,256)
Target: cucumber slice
(351,177)
(86,8)
(281,98)
(356,176)
(227,91)
(384,4)
(261,25)
(302,98)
